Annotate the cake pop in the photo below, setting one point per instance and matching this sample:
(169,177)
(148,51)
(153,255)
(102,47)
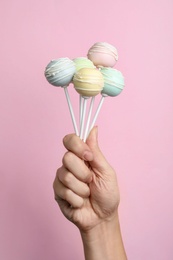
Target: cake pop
(113,81)
(88,82)
(103,54)
(83,62)
(60,73)
(80,63)
(113,85)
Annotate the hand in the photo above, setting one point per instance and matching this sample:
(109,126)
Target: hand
(85,186)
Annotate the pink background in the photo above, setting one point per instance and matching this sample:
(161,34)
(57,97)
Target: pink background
(135,129)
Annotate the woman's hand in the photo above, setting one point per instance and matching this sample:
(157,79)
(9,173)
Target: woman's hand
(85,186)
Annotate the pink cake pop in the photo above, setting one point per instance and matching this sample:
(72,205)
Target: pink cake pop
(103,54)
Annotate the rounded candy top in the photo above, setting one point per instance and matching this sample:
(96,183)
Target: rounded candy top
(103,54)
(88,82)
(60,72)
(113,81)
(83,62)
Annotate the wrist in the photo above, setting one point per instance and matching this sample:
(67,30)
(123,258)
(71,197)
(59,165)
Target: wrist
(100,230)
(104,241)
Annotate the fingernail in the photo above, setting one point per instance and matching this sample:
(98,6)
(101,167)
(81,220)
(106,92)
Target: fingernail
(88,156)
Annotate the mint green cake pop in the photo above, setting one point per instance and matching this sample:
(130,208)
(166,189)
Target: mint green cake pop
(113,82)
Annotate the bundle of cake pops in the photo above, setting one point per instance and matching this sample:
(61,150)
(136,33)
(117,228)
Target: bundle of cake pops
(91,76)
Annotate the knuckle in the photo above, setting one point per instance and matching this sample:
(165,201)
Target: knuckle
(72,198)
(79,203)
(65,139)
(73,142)
(68,179)
(86,192)
(67,194)
(67,158)
(86,176)
(69,139)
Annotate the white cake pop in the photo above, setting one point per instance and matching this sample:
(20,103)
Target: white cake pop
(60,73)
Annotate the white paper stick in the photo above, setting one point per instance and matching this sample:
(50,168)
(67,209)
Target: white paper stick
(89,118)
(83,117)
(80,108)
(71,110)
(97,112)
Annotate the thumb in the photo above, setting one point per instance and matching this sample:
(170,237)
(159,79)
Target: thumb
(99,161)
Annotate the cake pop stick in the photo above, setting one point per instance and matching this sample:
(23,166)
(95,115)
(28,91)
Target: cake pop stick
(80,108)
(71,110)
(89,118)
(83,116)
(97,112)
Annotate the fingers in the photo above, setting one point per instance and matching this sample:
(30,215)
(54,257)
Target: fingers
(69,189)
(71,180)
(68,196)
(74,144)
(77,167)
(62,193)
